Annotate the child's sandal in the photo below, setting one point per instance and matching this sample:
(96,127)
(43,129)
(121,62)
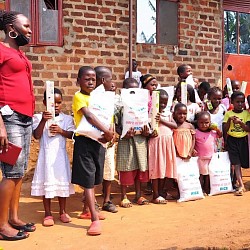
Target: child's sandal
(240,191)
(141,201)
(48,221)
(126,203)
(159,200)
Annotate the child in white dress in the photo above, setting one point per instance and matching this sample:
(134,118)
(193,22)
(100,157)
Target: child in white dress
(52,177)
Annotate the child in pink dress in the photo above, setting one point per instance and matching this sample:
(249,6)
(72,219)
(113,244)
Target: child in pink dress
(161,151)
(184,135)
(205,146)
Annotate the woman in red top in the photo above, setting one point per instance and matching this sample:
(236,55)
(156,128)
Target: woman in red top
(16,111)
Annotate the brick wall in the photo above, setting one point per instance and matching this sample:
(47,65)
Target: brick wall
(96,33)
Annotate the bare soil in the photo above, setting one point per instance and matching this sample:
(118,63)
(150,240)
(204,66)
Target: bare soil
(217,222)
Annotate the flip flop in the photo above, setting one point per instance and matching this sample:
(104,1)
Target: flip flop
(141,201)
(109,207)
(48,221)
(65,218)
(159,200)
(240,191)
(87,216)
(126,203)
(28,227)
(95,228)
(19,236)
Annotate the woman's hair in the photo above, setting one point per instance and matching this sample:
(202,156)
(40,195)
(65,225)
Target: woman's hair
(202,114)
(83,70)
(7,17)
(128,81)
(212,91)
(236,94)
(56,91)
(179,105)
(145,79)
(190,91)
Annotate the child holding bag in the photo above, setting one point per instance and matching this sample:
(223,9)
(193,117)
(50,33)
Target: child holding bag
(131,160)
(88,156)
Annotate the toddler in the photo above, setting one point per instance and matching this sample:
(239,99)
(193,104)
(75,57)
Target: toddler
(184,135)
(205,138)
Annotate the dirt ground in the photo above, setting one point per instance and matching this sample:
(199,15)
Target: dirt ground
(217,222)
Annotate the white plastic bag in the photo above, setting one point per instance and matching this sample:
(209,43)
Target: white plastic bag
(219,174)
(188,179)
(101,104)
(135,109)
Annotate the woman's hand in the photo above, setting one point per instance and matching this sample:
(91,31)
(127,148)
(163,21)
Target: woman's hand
(3,136)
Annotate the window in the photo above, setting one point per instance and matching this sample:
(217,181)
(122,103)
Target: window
(236,27)
(152,17)
(45,17)
(236,32)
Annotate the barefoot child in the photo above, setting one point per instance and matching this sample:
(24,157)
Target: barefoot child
(184,135)
(236,124)
(161,151)
(131,160)
(88,155)
(52,175)
(205,141)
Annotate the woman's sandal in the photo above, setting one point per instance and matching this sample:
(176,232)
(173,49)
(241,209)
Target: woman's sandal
(141,201)
(19,236)
(28,227)
(159,200)
(126,203)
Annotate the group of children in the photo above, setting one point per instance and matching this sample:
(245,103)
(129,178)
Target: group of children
(199,128)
